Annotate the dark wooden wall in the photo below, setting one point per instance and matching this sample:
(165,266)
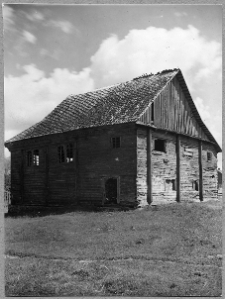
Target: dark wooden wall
(54,183)
(99,160)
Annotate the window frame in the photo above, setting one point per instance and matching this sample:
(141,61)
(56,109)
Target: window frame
(195,185)
(116,142)
(209,156)
(33,158)
(66,153)
(152,113)
(164,145)
(29,159)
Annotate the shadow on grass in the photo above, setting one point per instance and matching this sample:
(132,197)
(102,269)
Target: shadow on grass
(41,211)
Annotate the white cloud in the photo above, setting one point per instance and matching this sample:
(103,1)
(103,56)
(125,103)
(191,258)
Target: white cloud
(8,15)
(35,16)
(29,37)
(32,96)
(203,109)
(213,122)
(65,26)
(155,49)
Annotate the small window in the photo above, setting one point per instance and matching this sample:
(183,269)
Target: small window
(195,185)
(36,158)
(61,154)
(160,145)
(115,142)
(171,185)
(69,153)
(29,158)
(209,156)
(152,112)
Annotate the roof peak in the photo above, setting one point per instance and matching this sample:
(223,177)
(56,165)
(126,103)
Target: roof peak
(158,73)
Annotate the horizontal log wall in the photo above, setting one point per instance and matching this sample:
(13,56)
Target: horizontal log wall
(54,183)
(189,169)
(98,160)
(16,192)
(210,174)
(164,169)
(142,186)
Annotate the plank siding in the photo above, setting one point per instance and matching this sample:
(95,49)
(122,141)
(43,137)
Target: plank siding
(173,112)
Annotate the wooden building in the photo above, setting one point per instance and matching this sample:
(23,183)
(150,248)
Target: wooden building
(133,143)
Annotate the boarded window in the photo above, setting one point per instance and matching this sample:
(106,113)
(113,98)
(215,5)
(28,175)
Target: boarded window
(69,153)
(115,142)
(209,156)
(61,154)
(195,185)
(36,157)
(29,158)
(160,145)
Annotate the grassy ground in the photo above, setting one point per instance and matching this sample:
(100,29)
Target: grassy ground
(168,250)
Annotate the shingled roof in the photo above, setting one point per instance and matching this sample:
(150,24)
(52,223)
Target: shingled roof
(120,103)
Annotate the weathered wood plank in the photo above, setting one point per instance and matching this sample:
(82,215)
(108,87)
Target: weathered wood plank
(200,170)
(178,167)
(149,165)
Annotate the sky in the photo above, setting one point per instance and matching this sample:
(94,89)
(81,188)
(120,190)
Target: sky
(52,51)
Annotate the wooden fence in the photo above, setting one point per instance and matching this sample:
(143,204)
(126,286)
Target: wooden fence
(7,200)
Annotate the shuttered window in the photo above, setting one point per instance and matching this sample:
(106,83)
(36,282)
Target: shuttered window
(65,153)
(115,142)
(61,154)
(29,158)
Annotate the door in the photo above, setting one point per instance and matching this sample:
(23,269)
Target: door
(112,194)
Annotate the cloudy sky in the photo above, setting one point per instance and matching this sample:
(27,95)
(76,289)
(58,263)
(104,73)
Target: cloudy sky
(52,51)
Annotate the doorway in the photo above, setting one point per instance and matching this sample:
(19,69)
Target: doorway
(112,190)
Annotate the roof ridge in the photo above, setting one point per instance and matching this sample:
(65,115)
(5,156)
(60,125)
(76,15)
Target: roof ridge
(144,75)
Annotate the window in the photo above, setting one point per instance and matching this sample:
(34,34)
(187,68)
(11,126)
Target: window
(152,112)
(36,158)
(61,154)
(209,156)
(171,185)
(115,142)
(65,153)
(29,158)
(33,158)
(69,153)
(160,145)
(195,185)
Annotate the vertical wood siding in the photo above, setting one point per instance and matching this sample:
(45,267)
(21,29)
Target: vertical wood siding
(173,113)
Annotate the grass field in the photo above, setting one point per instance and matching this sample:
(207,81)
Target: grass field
(168,250)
